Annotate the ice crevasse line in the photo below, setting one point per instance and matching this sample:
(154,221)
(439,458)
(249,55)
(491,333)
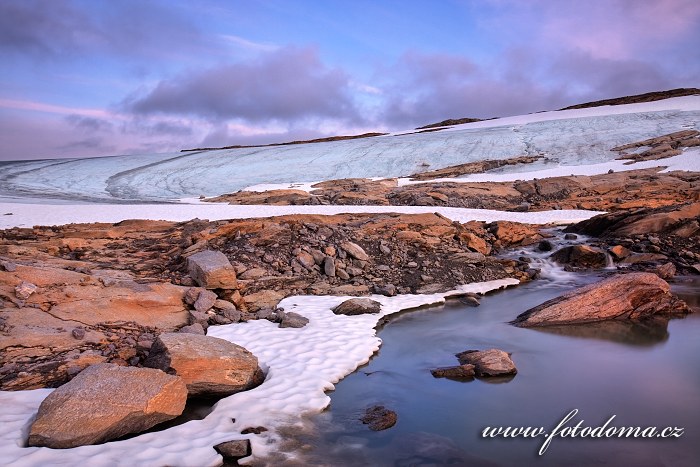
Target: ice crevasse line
(301,365)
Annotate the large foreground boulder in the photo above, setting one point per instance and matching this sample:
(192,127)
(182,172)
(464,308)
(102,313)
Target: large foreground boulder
(209,366)
(105,402)
(357,306)
(212,270)
(492,362)
(626,296)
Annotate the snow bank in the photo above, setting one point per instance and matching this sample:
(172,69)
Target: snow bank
(29,215)
(301,364)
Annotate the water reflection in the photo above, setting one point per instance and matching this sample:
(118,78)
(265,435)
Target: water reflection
(645,333)
(600,369)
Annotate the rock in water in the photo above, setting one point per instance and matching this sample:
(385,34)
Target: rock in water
(458,372)
(208,365)
(379,418)
(212,270)
(625,296)
(581,256)
(104,402)
(357,306)
(234,450)
(492,362)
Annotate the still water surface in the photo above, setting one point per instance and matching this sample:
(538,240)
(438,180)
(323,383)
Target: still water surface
(646,375)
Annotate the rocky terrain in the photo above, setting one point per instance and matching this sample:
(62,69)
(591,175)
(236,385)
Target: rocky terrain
(131,302)
(606,192)
(82,294)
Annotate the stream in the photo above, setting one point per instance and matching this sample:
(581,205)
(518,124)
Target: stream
(646,374)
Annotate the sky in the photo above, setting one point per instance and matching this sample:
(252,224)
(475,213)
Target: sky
(85,78)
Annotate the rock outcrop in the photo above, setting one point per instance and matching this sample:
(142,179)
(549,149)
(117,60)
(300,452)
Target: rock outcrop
(492,362)
(622,297)
(209,366)
(105,402)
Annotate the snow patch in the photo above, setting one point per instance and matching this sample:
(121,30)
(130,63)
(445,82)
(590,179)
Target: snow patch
(29,215)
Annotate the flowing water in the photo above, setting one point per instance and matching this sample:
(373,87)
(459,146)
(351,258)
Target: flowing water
(647,374)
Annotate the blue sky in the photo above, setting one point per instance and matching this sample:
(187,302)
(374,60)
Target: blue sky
(96,77)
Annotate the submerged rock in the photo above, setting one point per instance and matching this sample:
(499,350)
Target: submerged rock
(357,306)
(625,296)
(105,402)
(208,365)
(466,371)
(379,418)
(492,362)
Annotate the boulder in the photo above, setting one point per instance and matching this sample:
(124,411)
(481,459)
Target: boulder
(355,250)
(357,306)
(105,402)
(205,300)
(234,450)
(212,270)
(492,362)
(619,252)
(208,365)
(625,296)
(545,245)
(195,328)
(262,299)
(379,418)
(581,256)
(665,271)
(306,260)
(293,320)
(329,266)
(457,372)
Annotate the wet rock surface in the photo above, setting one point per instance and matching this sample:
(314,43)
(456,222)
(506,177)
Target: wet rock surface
(379,418)
(642,239)
(492,362)
(466,371)
(234,450)
(623,297)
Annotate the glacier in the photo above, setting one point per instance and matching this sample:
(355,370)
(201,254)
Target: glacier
(565,138)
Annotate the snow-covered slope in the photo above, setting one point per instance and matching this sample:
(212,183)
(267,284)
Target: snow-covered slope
(571,137)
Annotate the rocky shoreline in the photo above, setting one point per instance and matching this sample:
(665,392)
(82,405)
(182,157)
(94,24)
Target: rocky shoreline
(140,295)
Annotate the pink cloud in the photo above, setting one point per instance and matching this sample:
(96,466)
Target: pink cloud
(618,29)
